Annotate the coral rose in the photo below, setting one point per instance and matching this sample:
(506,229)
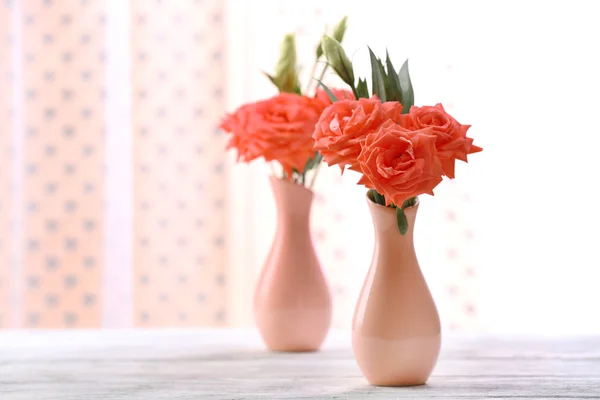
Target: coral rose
(277,129)
(452,142)
(399,163)
(341,94)
(344,125)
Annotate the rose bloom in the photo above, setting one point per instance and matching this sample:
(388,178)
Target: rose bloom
(344,125)
(277,129)
(452,142)
(399,163)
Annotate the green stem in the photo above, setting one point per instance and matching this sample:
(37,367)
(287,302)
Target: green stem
(314,177)
(322,73)
(310,78)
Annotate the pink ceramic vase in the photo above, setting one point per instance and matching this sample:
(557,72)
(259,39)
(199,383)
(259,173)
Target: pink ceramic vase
(292,303)
(396,328)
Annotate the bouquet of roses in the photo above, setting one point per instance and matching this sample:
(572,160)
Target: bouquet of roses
(401,150)
(280,128)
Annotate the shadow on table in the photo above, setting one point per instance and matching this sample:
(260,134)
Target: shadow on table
(364,390)
(263,354)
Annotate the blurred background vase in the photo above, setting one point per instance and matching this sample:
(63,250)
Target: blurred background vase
(396,328)
(292,302)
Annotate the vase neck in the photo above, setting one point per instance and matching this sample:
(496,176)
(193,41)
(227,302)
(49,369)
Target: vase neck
(293,203)
(386,227)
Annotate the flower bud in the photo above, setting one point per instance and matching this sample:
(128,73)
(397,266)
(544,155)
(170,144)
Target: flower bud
(337,58)
(340,30)
(285,72)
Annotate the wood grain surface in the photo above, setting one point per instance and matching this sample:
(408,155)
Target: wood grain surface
(228,364)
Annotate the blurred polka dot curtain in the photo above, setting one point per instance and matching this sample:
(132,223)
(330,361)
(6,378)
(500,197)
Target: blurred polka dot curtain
(56,172)
(52,165)
(119,206)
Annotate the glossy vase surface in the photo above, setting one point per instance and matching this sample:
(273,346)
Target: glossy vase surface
(292,302)
(396,334)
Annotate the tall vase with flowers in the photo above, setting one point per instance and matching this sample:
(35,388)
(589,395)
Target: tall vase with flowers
(292,302)
(402,151)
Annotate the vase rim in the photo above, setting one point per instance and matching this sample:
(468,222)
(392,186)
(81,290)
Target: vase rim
(280,181)
(385,218)
(372,203)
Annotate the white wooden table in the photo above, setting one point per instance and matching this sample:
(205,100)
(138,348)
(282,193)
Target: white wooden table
(221,364)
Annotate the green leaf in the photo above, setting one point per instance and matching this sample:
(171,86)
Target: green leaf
(329,92)
(362,88)
(408,94)
(409,202)
(371,196)
(401,221)
(319,51)
(395,91)
(386,81)
(376,197)
(377,77)
(272,79)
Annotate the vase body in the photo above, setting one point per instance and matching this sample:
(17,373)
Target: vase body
(292,303)
(396,334)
